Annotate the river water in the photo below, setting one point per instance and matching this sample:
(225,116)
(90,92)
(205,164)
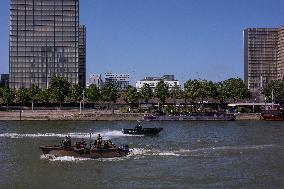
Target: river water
(240,154)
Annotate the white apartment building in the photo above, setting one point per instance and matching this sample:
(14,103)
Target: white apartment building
(153,82)
(119,80)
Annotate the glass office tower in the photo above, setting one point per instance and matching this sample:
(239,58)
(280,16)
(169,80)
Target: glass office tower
(44,42)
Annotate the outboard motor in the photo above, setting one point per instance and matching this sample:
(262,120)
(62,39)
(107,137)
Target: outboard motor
(125,147)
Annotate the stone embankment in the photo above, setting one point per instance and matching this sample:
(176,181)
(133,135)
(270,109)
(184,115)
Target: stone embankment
(88,115)
(49,115)
(248,116)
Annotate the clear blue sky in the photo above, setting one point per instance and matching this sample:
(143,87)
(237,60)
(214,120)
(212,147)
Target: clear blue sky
(187,38)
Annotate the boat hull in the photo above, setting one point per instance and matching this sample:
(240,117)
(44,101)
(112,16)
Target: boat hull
(190,118)
(273,117)
(144,131)
(84,152)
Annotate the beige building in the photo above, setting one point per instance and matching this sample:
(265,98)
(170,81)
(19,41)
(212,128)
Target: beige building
(45,42)
(263,56)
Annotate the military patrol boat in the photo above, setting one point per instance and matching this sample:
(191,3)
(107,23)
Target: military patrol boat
(138,130)
(99,149)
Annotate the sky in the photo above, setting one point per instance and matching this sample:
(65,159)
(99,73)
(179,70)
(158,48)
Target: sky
(192,39)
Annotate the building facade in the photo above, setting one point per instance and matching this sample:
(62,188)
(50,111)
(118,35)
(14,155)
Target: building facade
(44,42)
(153,82)
(120,81)
(263,57)
(4,80)
(82,55)
(95,79)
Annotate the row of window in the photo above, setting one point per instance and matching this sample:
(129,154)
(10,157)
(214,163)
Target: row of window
(45,43)
(47,13)
(22,72)
(60,50)
(43,24)
(43,59)
(44,3)
(57,40)
(14,34)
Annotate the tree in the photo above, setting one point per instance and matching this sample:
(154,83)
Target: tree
(93,93)
(59,89)
(109,93)
(34,92)
(8,95)
(161,92)
(44,96)
(132,96)
(146,92)
(23,96)
(236,89)
(222,93)
(176,93)
(274,88)
(76,93)
(191,89)
(205,89)
(1,93)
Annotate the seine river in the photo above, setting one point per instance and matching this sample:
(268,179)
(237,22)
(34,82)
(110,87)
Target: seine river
(240,154)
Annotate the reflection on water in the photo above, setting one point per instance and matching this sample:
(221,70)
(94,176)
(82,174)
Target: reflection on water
(184,155)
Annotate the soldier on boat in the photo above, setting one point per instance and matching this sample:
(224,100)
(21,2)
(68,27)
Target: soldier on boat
(99,149)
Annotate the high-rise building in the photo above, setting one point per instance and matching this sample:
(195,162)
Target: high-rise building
(44,42)
(120,81)
(82,55)
(263,56)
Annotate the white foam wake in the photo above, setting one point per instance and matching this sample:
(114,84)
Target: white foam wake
(107,134)
(140,152)
(63,158)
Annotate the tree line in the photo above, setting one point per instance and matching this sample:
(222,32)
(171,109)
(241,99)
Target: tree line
(61,91)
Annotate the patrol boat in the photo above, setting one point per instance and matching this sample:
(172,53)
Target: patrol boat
(138,130)
(103,149)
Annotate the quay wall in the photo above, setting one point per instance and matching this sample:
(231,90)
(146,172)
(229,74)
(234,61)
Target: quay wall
(248,116)
(94,115)
(50,115)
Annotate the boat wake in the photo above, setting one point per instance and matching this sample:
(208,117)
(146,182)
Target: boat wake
(64,158)
(140,153)
(201,152)
(107,134)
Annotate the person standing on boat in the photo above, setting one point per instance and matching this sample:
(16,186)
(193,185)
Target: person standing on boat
(100,140)
(138,125)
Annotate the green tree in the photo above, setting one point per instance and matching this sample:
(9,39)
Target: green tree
(222,93)
(93,93)
(176,93)
(109,94)
(76,93)
(161,92)
(206,89)
(274,88)
(1,93)
(236,89)
(23,96)
(146,93)
(34,92)
(59,89)
(8,95)
(191,89)
(44,96)
(132,96)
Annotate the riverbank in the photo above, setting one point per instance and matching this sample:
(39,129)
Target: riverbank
(50,115)
(92,115)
